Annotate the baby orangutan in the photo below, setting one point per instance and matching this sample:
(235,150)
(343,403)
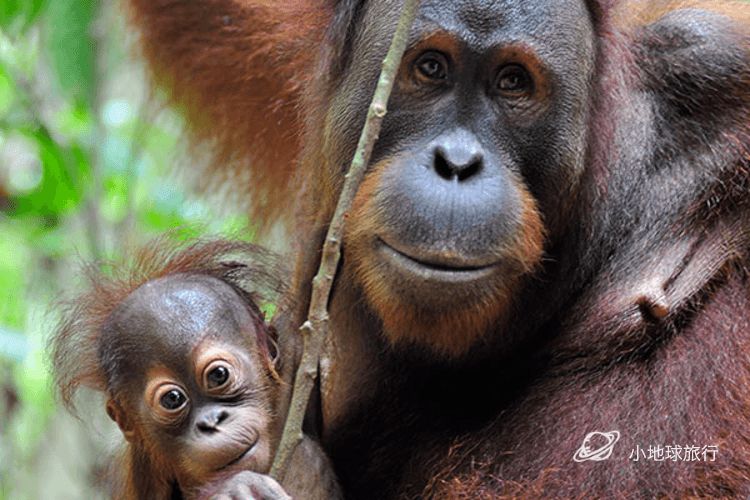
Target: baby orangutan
(182,352)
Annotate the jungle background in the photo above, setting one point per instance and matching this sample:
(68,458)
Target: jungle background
(90,168)
(90,158)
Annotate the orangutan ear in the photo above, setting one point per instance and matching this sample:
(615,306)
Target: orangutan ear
(273,350)
(120,417)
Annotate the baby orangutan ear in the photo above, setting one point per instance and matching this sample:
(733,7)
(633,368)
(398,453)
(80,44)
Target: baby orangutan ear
(273,353)
(118,415)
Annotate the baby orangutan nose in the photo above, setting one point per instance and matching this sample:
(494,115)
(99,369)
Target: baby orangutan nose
(209,421)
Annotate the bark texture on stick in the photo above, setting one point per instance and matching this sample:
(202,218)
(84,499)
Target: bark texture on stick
(315,329)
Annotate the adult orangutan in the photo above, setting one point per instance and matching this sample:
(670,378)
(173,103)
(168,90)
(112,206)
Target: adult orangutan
(552,238)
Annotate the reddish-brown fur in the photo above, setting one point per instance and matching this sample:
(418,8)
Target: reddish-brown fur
(256,56)
(692,386)
(702,383)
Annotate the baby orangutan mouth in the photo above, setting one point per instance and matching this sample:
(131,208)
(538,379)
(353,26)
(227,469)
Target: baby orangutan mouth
(245,454)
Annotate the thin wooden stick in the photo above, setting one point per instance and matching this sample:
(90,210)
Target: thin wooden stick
(315,329)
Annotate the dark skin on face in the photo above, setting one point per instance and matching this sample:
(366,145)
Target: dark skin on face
(488,118)
(192,384)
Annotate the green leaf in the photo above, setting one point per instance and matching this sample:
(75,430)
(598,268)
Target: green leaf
(239,227)
(163,209)
(115,201)
(14,264)
(65,175)
(74,121)
(33,382)
(17,15)
(269,310)
(72,46)
(9,10)
(7,92)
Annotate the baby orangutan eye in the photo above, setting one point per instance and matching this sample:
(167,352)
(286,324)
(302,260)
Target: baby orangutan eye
(173,400)
(167,399)
(218,377)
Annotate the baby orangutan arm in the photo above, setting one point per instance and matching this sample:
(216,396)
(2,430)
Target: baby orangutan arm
(310,477)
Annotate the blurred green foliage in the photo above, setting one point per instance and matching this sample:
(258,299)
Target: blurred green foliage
(87,160)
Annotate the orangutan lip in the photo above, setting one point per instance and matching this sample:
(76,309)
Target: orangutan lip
(435,267)
(240,457)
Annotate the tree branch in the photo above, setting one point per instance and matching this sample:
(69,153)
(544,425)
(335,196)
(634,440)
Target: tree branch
(315,329)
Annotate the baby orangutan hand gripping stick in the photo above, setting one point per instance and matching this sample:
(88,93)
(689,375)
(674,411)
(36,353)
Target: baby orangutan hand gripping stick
(188,366)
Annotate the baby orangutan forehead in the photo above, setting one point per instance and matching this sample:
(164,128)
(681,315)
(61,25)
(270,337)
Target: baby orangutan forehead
(171,315)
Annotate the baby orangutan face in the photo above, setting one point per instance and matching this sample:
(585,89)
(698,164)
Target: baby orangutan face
(197,390)
(212,421)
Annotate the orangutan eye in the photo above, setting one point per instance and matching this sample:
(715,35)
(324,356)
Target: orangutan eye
(217,377)
(432,66)
(513,81)
(173,400)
